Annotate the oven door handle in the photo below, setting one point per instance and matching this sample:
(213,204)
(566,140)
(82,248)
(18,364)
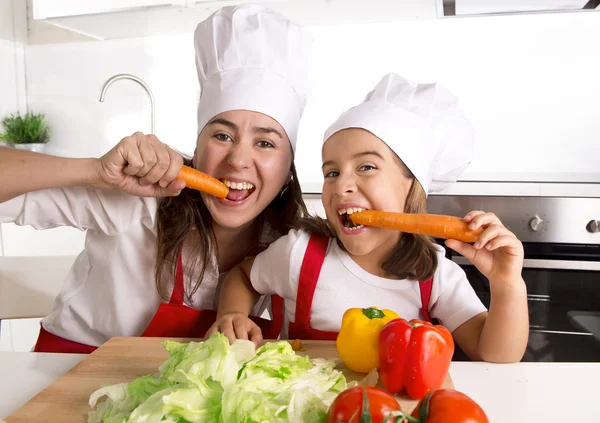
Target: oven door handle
(544,264)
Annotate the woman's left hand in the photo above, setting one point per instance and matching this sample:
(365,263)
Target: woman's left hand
(497,253)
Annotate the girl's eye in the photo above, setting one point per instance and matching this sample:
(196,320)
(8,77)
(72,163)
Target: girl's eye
(266,144)
(222,137)
(366,168)
(332,174)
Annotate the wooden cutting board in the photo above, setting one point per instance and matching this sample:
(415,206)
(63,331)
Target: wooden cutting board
(122,360)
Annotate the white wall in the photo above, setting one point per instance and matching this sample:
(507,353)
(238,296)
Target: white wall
(15,241)
(13,37)
(15,335)
(13,34)
(528,83)
(65,81)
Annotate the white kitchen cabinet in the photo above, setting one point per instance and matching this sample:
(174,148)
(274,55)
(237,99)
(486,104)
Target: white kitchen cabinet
(44,9)
(113,19)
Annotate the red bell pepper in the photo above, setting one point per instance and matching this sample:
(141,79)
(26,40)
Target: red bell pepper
(415,356)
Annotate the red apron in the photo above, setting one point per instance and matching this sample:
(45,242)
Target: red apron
(172,320)
(307,282)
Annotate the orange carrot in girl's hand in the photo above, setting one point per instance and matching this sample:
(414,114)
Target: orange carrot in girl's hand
(202,182)
(435,225)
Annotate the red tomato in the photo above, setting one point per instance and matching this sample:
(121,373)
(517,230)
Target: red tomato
(348,405)
(449,406)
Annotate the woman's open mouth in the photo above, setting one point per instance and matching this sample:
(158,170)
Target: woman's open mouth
(238,191)
(346,222)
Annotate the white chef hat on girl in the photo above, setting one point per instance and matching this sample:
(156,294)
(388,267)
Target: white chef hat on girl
(249,57)
(421,123)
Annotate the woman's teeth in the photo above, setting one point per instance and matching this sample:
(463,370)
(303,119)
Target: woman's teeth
(238,185)
(350,210)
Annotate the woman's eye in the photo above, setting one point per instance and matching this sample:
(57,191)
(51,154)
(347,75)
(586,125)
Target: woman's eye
(222,137)
(366,168)
(266,144)
(332,174)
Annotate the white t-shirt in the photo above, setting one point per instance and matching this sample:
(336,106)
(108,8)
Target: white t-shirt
(111,288)
(343,284)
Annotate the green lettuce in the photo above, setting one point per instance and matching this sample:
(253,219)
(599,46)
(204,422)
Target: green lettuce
(213,382)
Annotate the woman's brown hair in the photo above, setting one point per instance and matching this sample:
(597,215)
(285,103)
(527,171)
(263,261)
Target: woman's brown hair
(179,217)
(414,256)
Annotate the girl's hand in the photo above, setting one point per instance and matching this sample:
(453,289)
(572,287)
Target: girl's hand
(497,253)
(142,165)
(236,326)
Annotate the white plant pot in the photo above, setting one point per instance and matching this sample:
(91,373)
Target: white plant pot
(38,147)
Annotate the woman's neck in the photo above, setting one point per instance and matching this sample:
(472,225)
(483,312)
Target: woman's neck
(234,244)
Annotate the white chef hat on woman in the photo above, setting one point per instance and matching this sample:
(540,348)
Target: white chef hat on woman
(421,123)
(249,57)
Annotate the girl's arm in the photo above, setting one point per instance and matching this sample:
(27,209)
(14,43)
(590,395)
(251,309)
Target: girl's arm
(235,303)
(139,165)
(273,271)
(501,334)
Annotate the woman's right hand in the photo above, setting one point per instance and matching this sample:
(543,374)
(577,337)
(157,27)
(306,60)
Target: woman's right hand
(142,165)
(236,326)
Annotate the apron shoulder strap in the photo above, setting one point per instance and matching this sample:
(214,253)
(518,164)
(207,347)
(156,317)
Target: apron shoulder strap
(178,292)
(425,288)
(309,276)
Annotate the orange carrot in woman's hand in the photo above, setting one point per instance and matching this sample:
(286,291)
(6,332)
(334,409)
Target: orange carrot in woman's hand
(202,182)
(435,225)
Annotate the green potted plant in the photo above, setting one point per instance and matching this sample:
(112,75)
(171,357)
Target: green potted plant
(28,132)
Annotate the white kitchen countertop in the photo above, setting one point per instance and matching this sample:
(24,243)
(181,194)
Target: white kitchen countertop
(509,393)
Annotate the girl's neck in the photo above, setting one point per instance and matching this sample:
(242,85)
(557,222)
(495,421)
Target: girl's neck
(373,261)
(234,244)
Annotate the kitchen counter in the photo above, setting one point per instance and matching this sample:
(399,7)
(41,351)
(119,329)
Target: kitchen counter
(509,393)
(514,188)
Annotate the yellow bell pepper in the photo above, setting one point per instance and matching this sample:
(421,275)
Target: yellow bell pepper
(358,341)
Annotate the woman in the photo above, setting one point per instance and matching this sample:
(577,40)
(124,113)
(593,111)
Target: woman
(248,115)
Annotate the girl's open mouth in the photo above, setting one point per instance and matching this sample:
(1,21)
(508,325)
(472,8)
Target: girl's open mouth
(346,222)
(238,191)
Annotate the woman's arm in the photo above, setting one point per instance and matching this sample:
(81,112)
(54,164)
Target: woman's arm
(235,303)
(140,165)
(500,335)
(26,171)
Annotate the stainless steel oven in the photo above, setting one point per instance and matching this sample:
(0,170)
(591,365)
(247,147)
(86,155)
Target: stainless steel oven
(561,237)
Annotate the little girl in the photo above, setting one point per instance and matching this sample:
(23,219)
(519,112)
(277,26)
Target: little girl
(403,141)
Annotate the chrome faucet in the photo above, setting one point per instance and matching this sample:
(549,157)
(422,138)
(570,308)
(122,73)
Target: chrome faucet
(135,79)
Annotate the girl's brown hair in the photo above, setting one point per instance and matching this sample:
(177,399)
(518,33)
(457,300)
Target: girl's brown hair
(414,256)
(187,215)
